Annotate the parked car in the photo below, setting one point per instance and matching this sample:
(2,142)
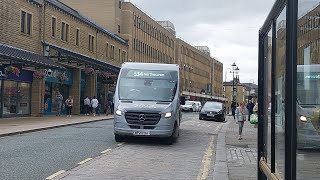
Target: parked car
(188,106)
(212,111)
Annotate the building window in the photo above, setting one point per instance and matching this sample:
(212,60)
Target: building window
(120,4)
(64,31)
(91,43)
(119,55)
(124,55)
(26,22)
(53,26)
(135,20)
(112,52)
(77,36)
(107,50)
(118,28)
(139,22)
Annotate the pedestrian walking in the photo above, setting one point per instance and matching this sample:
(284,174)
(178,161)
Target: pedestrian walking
(255,110)
(234,106)
(107,107)
(111,102)
(250,107)
(86,103)
(69,105)
(94,105)
(58,102)
(240,113)
(99,106)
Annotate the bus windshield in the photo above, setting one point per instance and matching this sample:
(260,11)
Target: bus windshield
(308,84)
(146,85)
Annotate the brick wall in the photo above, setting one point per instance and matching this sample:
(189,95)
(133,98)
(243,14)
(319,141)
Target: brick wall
(218,78)
(198,68)
(101,11)
(100,39)
(10,31)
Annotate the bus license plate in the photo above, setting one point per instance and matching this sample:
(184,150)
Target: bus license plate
(141,133)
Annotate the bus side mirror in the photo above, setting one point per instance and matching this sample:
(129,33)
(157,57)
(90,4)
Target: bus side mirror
(182,100)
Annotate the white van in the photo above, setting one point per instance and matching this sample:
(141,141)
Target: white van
(147,101)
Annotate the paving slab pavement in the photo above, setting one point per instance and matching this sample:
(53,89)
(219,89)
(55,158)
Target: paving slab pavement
(20,125)
(241,154)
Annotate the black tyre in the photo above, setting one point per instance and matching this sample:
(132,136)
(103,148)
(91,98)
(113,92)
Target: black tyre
(119,138)
(174,136)
(223,119)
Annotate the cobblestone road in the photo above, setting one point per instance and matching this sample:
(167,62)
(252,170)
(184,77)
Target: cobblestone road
(190,158)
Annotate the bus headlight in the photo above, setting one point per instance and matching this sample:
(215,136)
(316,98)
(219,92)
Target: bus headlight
(303,119)
(167,115)
(119,112)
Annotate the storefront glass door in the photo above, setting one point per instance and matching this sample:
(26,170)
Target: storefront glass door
(16,98)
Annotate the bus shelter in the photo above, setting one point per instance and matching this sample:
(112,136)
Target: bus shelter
(289,92)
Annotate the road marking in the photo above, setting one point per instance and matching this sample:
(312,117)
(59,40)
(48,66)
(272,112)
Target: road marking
(105,151)
(218,128)
(56,174)
(84,161)
(206,161)
(207,158)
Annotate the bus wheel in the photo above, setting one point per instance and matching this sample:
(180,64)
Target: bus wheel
(119,138)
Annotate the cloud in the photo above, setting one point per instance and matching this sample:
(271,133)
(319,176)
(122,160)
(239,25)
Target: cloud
(229,28)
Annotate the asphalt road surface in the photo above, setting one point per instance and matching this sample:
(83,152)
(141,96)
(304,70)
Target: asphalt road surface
(40,154)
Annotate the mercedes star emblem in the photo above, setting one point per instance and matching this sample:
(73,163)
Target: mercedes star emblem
(142,117)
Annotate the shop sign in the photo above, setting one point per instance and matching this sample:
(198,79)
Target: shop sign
(24,75)
(53,76)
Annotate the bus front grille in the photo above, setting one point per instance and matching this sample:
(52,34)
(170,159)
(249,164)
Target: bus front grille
(137,118)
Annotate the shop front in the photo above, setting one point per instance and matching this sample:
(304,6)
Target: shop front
(91,77)
(15,98)
(56,82)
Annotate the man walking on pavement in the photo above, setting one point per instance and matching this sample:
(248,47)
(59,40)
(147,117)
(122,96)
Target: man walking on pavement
(86,103)
(250,107)
(233,109)
(94,104)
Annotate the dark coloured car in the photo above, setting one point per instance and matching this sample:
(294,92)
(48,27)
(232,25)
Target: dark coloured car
(212,111)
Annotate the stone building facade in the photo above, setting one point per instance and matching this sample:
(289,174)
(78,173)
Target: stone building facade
(156,42)
(76,56)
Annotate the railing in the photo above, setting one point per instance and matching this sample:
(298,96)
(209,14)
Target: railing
(203,96)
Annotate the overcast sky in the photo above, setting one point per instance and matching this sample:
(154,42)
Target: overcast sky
(229,28)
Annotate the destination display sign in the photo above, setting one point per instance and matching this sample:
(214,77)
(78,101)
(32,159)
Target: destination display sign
(148,74)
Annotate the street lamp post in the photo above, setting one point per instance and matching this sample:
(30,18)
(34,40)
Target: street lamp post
(235,70)
(190,89)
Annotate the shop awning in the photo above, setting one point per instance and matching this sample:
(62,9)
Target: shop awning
(19,56)
(80,58)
